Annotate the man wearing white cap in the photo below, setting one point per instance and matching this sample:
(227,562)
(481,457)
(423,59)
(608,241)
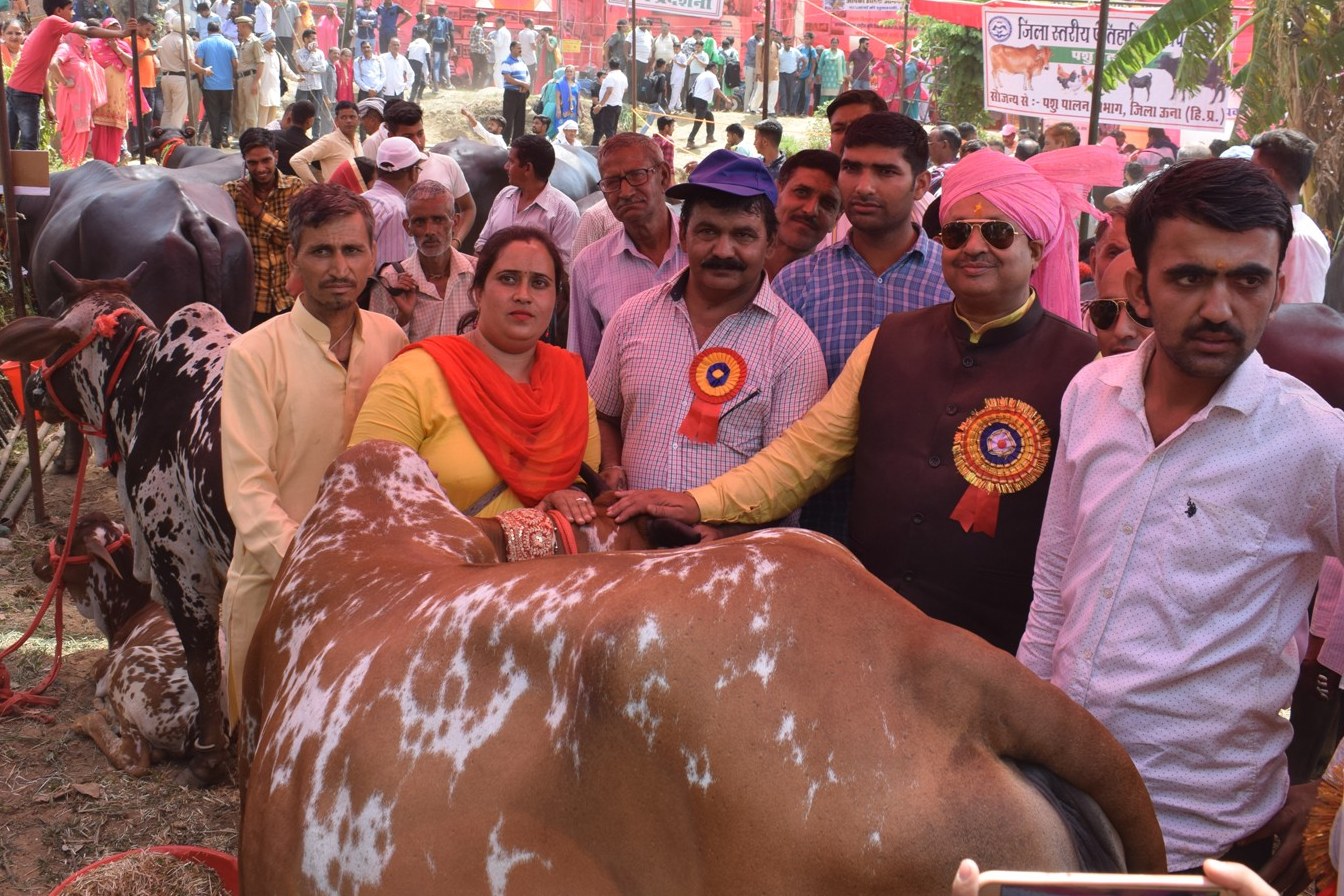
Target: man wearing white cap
(370,112)
(569,136)
(398,169)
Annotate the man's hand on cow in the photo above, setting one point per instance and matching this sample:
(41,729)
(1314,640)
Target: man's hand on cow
(574,504)
(1286,868)
(655,502)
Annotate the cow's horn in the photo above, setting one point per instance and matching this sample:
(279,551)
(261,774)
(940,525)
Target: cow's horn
(134,276)
(96,548)
(64,276)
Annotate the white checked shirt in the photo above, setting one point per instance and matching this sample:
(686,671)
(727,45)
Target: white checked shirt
(1172,584)
(642,378)
(552,211)
(604,275)
(434,314)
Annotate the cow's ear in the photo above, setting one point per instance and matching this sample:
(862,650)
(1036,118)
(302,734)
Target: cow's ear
(33,338)
(665,533)
(189,132)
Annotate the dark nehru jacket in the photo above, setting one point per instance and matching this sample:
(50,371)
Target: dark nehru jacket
(925,377)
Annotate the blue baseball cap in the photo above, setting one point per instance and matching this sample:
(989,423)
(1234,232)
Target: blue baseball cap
(724,171)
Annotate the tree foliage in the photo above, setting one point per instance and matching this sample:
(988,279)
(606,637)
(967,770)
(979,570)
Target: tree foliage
(1294,78)
(959,75)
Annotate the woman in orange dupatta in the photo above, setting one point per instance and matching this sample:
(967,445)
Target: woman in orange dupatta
(502,418)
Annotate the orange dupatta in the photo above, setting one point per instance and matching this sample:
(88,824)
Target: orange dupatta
(534,434)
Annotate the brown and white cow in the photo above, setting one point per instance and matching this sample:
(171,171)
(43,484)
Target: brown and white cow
(147,702)
(150,400)
(755,715)
(1028,61)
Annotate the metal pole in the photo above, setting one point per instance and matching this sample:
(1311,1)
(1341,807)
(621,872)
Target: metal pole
(1098,66)
(905,52)
(137,92)
(633,89)
(187,57)
(765,63)
(1094,117)
(16,290)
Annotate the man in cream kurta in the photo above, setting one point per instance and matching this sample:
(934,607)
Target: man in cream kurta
(287,408)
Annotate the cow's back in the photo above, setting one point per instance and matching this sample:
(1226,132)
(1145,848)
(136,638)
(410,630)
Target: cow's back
(755,715)
(173,476)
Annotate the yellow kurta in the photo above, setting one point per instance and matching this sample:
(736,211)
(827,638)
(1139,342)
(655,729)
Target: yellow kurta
(286,411)
(410,403)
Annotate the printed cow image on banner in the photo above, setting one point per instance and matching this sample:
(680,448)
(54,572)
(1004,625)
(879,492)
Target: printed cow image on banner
(1040,62)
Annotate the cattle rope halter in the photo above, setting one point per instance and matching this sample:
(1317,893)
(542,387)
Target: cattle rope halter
(11,700)
(166,151)
(104,326)
(55,549)
(530,533)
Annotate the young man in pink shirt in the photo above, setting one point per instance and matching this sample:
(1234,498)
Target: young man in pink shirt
(27,86)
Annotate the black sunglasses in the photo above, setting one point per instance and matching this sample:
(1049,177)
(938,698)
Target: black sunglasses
(999,234)
(1105,312)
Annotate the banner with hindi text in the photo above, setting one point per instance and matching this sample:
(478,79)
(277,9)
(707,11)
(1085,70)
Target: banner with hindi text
(700,9)
(1039,62)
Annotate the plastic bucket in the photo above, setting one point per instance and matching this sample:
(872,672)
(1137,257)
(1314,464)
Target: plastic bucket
(10,370)
(222,863)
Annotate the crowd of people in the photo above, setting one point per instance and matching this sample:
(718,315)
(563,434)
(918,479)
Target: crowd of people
(1072,451)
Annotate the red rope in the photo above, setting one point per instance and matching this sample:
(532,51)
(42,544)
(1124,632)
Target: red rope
(12,701)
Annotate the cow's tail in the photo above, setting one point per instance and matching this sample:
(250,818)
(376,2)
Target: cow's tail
(208,250)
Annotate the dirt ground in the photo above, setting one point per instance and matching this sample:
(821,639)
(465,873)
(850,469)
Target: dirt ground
(444,121)
(62,805)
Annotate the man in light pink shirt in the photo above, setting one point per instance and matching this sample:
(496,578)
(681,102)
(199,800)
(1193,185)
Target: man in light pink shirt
(642,253)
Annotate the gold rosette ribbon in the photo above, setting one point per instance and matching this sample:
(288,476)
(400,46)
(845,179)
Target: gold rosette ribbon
(1000,449)
(717,374)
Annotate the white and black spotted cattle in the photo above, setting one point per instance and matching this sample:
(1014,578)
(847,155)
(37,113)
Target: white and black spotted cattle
(159,420)
(758,715)
(147,705)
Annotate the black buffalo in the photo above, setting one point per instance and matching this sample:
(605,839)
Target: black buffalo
(100,219)
(575,175)
(172,148)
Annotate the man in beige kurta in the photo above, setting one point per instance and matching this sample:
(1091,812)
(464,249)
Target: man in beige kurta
(292,389)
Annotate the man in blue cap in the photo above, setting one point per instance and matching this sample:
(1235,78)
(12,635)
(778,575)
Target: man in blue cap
(697,374)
